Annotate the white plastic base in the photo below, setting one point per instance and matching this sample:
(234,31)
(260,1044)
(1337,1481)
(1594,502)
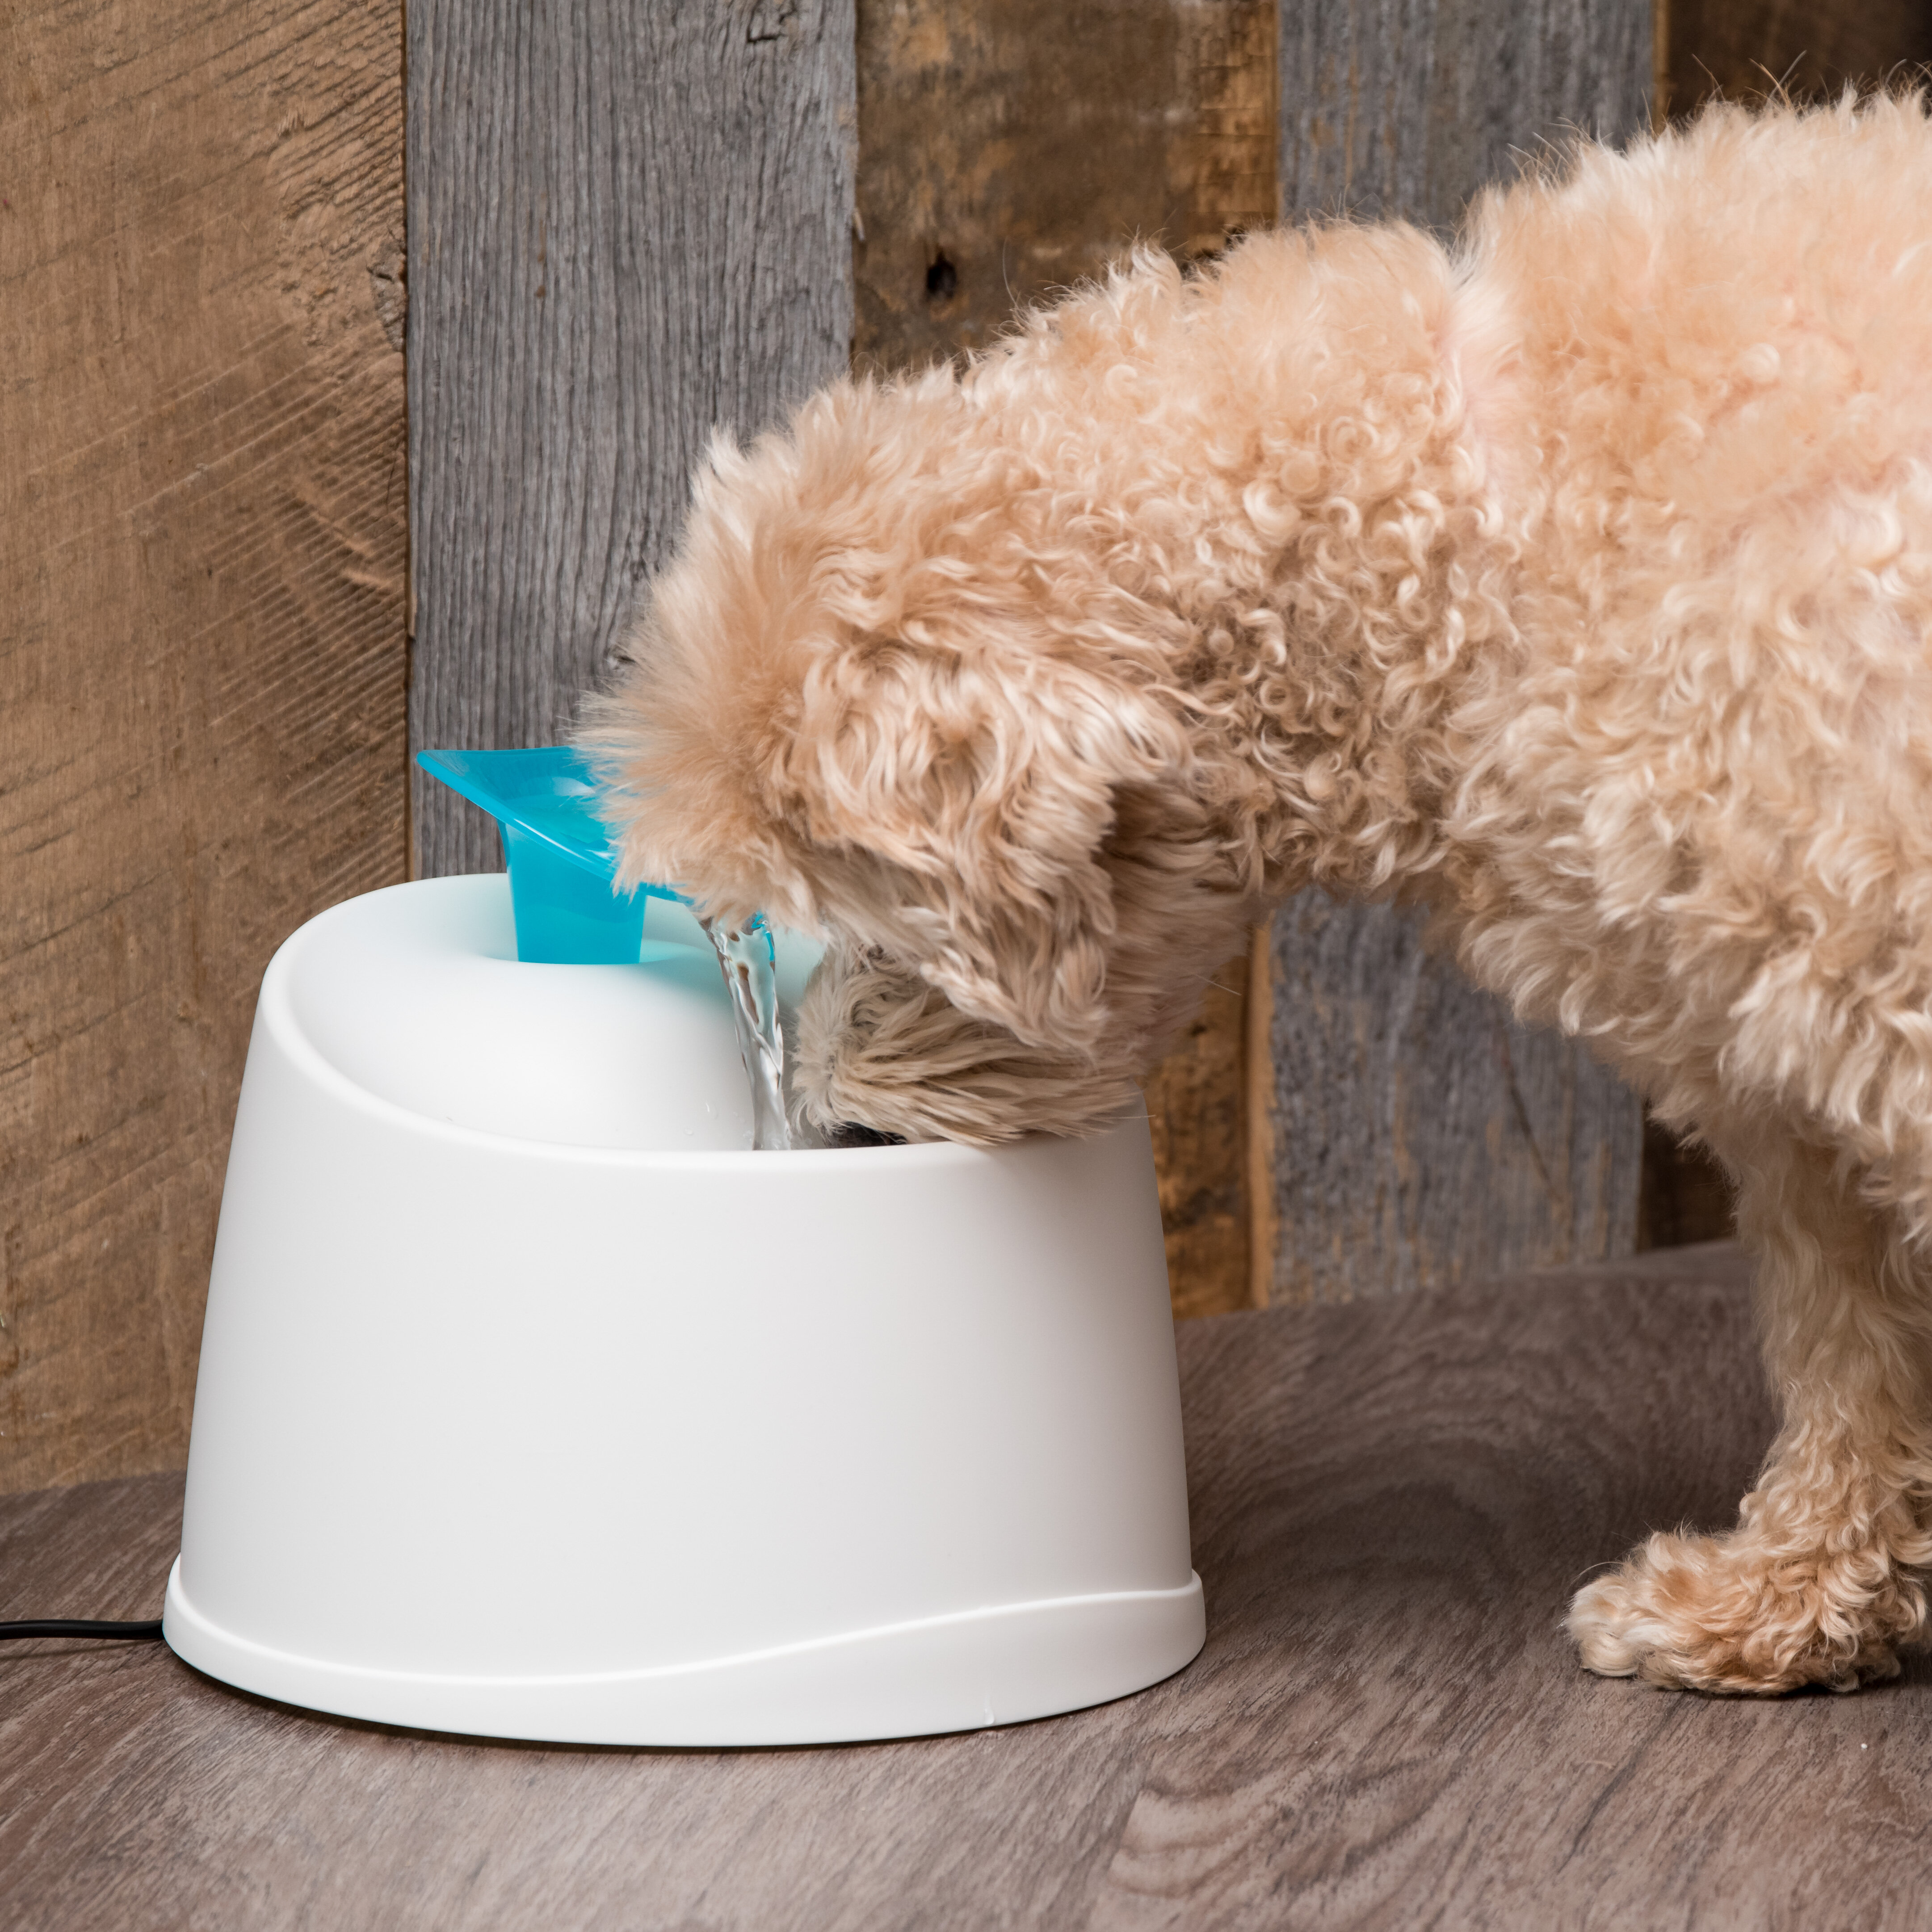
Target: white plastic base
(956,1673)
(626,1444)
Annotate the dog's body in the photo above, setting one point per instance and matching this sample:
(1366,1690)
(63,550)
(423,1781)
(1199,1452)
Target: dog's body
(1579,585)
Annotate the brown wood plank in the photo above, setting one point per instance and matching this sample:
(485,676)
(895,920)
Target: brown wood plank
(1683,1196)
(1745,50)
(202,640)
(628,226)
(1197,1110)
(1391,1504)
(1421,1137)
(1006,150)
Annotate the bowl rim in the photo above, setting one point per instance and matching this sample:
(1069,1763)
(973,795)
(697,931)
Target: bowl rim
(275,1011)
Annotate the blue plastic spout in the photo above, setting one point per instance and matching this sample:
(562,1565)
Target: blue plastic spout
(563,868)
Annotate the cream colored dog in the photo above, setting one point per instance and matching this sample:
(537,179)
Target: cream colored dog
(1577,582)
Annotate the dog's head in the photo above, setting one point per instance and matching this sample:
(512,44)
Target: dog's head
(877,696)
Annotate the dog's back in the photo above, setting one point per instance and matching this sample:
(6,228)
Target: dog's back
(1704,802)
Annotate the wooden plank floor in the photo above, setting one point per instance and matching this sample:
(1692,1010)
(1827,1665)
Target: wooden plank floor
(1392,1501)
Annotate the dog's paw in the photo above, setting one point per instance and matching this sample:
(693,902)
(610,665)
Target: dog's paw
(1736,1613)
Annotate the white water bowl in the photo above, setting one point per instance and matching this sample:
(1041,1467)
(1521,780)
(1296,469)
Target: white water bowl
(533,1404)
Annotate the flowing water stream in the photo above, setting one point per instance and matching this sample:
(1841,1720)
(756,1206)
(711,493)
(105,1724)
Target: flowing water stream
(745,958)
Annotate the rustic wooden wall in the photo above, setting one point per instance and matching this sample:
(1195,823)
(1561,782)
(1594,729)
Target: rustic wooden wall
(201,641)
(202,473)
(628,226)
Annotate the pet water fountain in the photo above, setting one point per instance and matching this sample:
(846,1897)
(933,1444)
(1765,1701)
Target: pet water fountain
(534,1402)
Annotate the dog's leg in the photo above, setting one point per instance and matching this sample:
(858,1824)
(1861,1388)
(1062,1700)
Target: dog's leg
(1822,1576)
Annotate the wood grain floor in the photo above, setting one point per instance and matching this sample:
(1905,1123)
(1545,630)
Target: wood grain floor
(1391,1499)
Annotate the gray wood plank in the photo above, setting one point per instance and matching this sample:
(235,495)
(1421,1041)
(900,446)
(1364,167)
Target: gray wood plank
(627,225)
(1391,1501)
(1406,107)
(1420,1135)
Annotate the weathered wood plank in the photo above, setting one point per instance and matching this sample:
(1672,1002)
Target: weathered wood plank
(1744,49)
(1006,150)
(1419,1136)
(1685,1196)
(1390,1502)
(202,641)
(1197,1112)
(629,227)
(1406,107)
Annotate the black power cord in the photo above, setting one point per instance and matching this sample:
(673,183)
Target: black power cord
(78,1627)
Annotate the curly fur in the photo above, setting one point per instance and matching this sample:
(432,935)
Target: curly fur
(1577,582)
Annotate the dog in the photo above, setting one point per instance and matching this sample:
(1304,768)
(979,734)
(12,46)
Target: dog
(1574,581)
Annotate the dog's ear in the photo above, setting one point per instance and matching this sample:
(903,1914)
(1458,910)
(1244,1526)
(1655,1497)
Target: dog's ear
(958,807)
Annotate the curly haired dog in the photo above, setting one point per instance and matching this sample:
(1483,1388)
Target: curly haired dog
(1576,582)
